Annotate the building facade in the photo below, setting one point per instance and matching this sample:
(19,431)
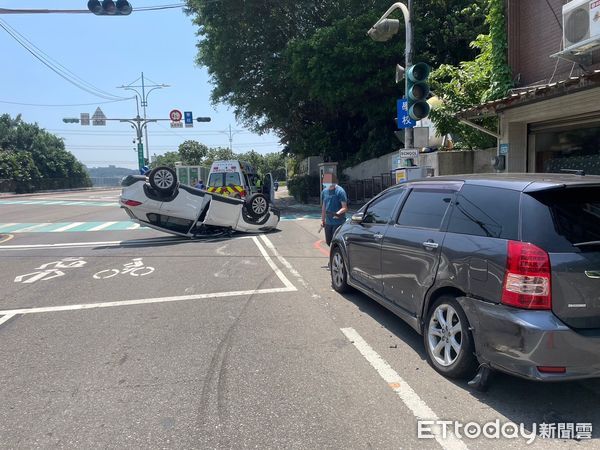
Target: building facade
(551,120)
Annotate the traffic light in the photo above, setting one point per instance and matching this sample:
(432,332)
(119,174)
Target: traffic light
(70,120)
(203,119)
(110,7)
(417,90)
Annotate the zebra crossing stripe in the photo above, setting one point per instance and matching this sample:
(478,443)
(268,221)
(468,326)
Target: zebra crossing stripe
(68,227)
(31,228)
(103,226)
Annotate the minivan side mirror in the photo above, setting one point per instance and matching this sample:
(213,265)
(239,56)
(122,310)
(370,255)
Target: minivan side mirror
(358,217)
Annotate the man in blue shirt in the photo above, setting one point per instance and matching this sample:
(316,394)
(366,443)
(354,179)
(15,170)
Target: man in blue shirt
(333,212)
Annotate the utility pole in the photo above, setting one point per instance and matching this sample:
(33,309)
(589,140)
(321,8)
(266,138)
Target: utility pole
(409,134)
(143,96)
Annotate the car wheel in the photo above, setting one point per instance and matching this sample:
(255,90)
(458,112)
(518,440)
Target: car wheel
(448,340)
(163,180)
(258,205)
(339,274)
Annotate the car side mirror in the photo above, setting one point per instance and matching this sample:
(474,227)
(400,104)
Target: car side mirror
(358,217)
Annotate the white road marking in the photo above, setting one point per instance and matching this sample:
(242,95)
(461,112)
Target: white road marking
(284,261)
(145,301)
(409,397)
(6,225)
(30,228)
(102,227)
(6,318)
(287,283)
(289,287)
(103,244)
(135,226)
(68,227)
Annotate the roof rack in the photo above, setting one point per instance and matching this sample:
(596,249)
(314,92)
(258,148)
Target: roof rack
(579,172)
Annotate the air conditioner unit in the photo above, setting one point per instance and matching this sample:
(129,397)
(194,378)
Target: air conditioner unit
(581,25)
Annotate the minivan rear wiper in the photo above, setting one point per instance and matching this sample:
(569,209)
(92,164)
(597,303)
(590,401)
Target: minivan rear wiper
(586,244)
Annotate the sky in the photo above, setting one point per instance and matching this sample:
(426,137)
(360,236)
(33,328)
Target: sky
(107,52)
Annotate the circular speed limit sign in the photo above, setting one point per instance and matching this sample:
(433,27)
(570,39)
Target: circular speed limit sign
(176,115)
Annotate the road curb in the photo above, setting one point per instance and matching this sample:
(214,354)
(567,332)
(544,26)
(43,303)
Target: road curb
(58,191)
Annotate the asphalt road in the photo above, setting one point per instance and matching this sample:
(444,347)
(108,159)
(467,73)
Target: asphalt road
(115,336)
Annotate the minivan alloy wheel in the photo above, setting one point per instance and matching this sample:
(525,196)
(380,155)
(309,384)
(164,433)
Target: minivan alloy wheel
(445,335)
(337,269)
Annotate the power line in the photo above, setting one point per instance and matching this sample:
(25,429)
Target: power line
(51,64)
(62,106)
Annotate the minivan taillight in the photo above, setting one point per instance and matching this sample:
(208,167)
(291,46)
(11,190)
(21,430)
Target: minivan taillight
(527,283)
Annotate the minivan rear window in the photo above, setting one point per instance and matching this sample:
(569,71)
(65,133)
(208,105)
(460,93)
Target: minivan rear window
(486,211)
(566,220)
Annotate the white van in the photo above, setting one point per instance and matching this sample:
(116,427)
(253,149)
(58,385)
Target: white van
(238,179)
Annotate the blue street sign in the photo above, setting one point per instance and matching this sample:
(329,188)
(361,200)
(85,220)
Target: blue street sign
(404,120)
(188,118)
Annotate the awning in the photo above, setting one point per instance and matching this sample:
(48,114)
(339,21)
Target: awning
(533,94)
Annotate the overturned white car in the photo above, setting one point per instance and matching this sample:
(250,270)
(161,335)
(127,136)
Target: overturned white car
(160,202)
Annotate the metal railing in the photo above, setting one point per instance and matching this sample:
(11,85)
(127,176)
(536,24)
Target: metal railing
(361,191)
(44,184)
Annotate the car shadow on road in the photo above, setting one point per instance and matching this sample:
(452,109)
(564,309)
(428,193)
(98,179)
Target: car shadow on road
(520,401)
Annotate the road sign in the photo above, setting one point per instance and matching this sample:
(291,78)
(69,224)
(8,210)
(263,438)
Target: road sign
(404,120)
(189,119)
(409,153)
(141,162)
(177,124)
(99,119)
(85,119)
(175,115)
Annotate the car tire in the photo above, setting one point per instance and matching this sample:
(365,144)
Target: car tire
(449,343)
(163,180)
(339,273)
(257,205)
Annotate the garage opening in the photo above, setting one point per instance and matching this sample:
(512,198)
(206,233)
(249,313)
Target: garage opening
(569,144)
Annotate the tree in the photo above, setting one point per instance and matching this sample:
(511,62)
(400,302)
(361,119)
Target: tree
(307,71)
(37,159)
(218,154)
(192,153)
(472,82)
(167,159)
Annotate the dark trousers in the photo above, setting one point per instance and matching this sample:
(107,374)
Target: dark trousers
(329,231)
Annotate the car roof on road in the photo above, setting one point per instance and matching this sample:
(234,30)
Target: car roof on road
(528,182)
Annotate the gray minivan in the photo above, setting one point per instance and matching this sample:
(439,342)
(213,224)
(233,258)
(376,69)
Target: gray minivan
(496,271)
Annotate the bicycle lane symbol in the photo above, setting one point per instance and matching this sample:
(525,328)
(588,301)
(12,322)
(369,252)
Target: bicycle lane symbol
(135,268)
(45,272)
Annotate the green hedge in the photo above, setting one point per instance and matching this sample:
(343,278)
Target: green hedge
(304,187)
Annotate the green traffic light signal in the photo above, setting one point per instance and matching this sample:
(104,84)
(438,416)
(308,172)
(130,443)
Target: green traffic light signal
(417,91)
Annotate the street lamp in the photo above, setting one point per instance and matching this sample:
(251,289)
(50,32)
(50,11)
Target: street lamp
(143,98)
(383,30)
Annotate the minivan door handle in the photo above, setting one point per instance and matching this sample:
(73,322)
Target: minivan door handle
(430,245)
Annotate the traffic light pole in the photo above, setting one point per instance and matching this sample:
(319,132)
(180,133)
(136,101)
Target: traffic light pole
(409,135)
(139,124)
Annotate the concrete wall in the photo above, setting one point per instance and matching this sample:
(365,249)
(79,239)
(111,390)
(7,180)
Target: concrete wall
(443,163)
(371,168)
